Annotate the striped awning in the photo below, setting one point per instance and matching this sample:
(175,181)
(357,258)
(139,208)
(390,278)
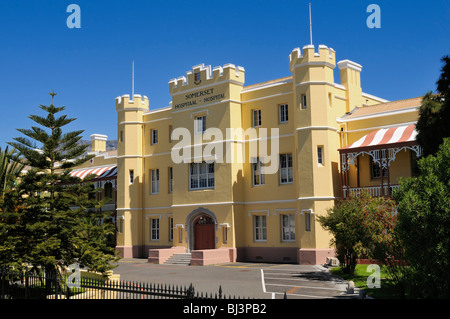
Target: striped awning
(101,172)
(393,135)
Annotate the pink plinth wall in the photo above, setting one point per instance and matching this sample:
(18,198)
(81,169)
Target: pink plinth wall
(213,256)
(159,256)
(312,256)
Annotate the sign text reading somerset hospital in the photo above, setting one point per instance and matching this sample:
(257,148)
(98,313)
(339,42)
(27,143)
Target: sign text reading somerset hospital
(200,97)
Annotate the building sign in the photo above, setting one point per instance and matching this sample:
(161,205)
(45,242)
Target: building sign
(200,97)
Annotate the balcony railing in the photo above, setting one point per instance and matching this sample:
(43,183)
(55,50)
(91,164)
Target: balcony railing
(374,191)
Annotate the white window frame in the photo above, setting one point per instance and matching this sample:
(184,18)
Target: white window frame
(154,181)
(320,155)
(258,171)
(260,228)
(154,229)
(201,174)
(288,229)
(304,102)
(308,218)
(200,124)
(154,133)
(256,118)
(286,171)
(283,112)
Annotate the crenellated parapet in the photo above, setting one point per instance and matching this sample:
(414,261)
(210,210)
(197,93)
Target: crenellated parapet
(201,75)
(308,56)
(123,102)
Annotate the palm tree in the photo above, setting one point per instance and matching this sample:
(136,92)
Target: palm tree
(10,168)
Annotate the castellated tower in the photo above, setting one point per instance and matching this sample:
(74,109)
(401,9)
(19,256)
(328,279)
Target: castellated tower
(316,132)
(130,174)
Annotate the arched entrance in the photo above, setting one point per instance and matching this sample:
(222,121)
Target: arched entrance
(204,233)
(201,225)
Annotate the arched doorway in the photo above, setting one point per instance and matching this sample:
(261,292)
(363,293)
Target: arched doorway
(204,233)
(201,226)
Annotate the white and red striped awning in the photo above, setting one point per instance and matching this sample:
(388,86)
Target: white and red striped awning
(381,137)
(101,172)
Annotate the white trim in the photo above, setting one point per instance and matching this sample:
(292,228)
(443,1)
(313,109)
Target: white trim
(258,211)
(267,97)
(281,210)
(130,156)
(309,210)
(99,137)
(130,122)
(379,114)
(315,83)
(128,209)
(380,127)
(142,109)
(148,216)
(314,63)
(157,120)
(373,97)
(265,86)
(347,64)
(318,198)
(340,97)
(316,128)
(166,108)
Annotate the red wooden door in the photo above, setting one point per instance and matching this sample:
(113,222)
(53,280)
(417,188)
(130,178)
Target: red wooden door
(204,236)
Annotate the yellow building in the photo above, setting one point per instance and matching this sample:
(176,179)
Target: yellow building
(230,172)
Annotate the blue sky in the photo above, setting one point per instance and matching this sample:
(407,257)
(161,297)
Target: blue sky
(90,66)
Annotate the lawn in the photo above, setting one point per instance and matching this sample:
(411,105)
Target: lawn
(387,288)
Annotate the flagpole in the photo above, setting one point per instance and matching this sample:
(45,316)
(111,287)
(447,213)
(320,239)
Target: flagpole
(310,24)
(132,81)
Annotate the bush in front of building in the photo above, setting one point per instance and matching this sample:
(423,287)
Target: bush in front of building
(362,227)
(423,225)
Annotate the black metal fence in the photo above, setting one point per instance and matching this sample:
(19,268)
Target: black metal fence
(35,285)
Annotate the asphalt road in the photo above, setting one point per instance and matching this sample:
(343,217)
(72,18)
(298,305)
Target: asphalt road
(245,280)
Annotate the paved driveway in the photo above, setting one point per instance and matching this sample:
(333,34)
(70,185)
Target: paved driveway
(247,280)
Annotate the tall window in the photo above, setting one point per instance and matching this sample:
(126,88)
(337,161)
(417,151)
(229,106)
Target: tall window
(260,228)
(170,229)
(308,221)
(154,184)
(170,133)
(256,116)
(170,179)
(283,113)
(154,229)
(258,172)
(288,227)
(286,175)
(320,155)
(304,104)
(201,175)
(154,137)
(131,176)
(200,124)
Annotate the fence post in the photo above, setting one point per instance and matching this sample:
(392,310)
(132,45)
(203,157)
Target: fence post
(190,292)
(26,285)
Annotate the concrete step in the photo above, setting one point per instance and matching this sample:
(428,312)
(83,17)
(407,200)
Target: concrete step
(179,259)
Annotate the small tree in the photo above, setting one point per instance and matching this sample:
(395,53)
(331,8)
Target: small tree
(361,227)
(45,214)
(424,224)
